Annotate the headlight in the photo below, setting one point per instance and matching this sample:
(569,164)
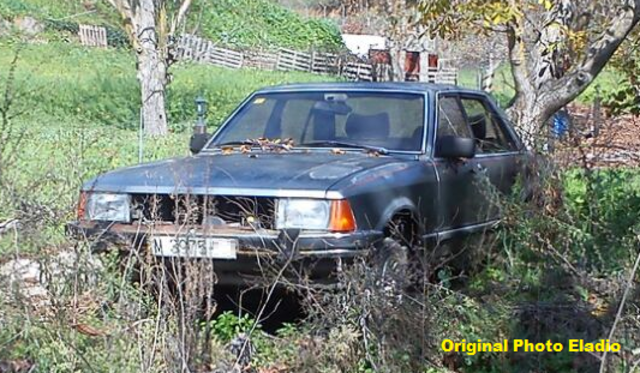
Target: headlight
(303,214)
(108,207)
(313,214)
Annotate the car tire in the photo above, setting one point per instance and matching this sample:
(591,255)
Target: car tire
(391,267)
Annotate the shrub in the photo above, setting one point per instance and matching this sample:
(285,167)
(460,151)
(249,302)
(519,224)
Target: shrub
(263,24)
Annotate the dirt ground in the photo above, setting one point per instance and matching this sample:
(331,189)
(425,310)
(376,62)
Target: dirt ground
(599,140)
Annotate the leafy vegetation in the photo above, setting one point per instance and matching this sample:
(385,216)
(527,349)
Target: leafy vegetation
(43,9)
(232,23)
(263,24)
(624,98)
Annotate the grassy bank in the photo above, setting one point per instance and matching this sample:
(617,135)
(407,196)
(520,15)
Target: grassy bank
(232,23)
(67,82)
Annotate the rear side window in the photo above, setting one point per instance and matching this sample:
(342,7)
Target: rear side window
(451,120)
(486,128)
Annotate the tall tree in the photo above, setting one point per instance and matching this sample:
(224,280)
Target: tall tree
(151,25)
(556,48)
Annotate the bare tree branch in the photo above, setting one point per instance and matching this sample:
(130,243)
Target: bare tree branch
(179,18)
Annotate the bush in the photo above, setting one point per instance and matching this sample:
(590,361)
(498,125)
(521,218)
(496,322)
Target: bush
(604,206)
(263,24)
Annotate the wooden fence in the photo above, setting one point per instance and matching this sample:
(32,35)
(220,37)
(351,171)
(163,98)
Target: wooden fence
(93,36)
(348,66)
(201,50)
(205,51)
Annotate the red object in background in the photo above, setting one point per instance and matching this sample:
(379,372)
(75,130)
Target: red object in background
(379,56)
(433,61)
(412,66)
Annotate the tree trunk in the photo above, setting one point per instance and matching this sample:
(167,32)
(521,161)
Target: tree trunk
(397,58)
(542,86)
(152,72)
(396,34)
(529,116)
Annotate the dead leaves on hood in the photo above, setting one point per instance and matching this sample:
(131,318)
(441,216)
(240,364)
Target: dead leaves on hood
(277,145)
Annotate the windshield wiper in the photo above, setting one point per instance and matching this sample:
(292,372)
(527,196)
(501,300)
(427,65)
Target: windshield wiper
(344,144)
(243,142)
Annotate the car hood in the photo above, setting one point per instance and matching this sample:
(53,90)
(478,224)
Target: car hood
(292,174)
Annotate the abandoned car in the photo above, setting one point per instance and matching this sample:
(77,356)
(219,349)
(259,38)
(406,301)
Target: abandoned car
(315,174)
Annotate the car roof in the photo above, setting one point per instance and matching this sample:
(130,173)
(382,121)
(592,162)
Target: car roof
(374,86)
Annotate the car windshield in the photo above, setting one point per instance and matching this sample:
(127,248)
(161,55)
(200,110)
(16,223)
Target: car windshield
(369,120)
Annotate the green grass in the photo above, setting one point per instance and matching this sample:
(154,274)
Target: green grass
(65,81)
(233,23)
(264,24)
(71,10)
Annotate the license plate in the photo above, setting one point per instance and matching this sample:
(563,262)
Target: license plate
(195,247)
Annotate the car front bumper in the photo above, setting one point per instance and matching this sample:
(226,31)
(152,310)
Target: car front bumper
(317,255)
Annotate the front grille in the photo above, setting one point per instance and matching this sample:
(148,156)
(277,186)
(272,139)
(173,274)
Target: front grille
(257,212)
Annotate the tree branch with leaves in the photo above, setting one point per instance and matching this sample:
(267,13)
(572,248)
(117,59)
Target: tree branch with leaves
(556,48)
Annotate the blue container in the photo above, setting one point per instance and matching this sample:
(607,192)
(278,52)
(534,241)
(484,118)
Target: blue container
(560,123)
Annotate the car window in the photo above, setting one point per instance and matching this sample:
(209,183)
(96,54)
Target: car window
(250,122)
(486,128)
(292,111)
(451,120)
(405,117)
(385,119)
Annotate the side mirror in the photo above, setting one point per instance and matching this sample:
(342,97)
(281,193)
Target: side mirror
(198,141)
(455,147)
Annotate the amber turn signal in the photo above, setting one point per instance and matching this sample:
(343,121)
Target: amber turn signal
(342,219)
(82,203)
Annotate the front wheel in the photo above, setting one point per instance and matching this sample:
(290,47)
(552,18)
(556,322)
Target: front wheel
(391,267)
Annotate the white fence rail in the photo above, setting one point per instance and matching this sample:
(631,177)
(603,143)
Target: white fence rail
(205,51)
(92,36)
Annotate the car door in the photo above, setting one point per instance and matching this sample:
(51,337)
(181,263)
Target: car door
(457,191)
(496,160)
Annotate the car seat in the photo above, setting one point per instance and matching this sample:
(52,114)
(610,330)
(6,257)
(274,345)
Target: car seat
(479,126)
(367,127)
